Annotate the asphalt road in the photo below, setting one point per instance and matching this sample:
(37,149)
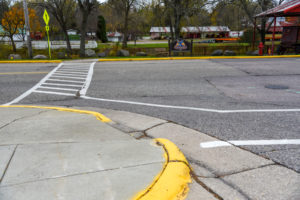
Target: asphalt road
(229,84)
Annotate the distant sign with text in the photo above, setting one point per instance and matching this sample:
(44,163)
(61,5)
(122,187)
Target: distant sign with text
(181,46)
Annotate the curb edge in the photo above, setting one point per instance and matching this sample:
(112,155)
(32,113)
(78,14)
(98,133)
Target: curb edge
(197,58)
(172,182)
(98,115)
(31,61)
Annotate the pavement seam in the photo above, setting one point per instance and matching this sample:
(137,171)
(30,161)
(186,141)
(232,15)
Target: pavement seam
(6,168)
(234,187)
(155,126)
(247,170)
(196,162)
(79,174)
(198,181)
(203,185)
(121,127)
(196,178)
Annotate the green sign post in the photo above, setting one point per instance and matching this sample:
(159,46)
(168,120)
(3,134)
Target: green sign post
(46,19)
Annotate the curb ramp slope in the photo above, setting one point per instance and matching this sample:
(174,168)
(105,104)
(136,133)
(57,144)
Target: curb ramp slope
(171,183)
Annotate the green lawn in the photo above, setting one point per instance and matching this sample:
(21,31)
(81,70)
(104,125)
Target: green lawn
(151,45)
(165,45)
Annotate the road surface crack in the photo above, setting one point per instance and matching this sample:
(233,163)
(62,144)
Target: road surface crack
(219,90)
(24,117)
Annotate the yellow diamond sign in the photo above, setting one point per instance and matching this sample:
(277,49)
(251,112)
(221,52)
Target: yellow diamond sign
(46,17)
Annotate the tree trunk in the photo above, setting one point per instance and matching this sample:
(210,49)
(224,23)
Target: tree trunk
(172,32)
(13,43)
(169,21)
(177,27)
(69,48)
(124,45)
(83,33)
(263,30)
(177,22)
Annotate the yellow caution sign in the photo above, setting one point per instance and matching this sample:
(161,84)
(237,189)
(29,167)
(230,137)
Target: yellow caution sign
(47,19)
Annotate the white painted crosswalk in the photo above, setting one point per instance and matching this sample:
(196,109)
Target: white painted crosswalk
(68,79)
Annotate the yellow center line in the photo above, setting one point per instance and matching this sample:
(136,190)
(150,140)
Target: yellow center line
(15,73)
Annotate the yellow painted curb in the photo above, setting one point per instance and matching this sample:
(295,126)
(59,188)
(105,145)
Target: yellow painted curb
(21,73)
(99,116)
(31,61)
(172,182)
(198,58)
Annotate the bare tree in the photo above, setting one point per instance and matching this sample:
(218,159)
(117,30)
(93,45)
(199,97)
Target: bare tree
(124,7)
(63,11)
(86,7)
(176,10)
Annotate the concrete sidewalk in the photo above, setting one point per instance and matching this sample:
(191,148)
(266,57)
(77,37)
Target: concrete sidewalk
(218,173)
(46,154)
(49,154)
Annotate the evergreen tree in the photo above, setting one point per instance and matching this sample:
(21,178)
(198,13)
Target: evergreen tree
(101,29)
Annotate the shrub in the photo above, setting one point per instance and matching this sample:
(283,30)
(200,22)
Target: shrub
(248,37)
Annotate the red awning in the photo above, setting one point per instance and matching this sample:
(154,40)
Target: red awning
(291,8)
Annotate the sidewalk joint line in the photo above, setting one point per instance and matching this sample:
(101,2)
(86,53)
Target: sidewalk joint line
(215,176)
(157,125)
(80,174)
(6,168)
(247,170)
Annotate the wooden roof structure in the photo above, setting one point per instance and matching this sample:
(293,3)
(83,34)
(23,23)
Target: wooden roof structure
(291,8)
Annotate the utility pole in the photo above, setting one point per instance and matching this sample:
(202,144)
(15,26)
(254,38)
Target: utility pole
(27,25)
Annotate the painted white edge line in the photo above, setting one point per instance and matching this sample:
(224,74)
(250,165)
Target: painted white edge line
(215,144)
(57,93)
(189,108)
(70,72)
(70,77)
(28,92)
(88,80)
(58,84)
(57,88)
(77,67)
(74,70)
(69,81)
(76,64)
